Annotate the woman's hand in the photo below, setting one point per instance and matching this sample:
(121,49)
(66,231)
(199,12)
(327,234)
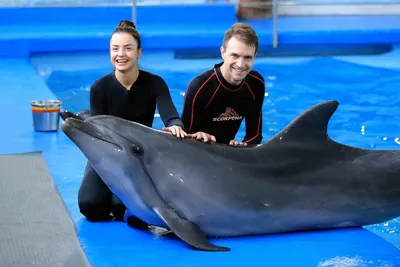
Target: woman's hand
(175,130)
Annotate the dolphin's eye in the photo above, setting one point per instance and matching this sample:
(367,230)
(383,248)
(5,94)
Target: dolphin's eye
(136,150)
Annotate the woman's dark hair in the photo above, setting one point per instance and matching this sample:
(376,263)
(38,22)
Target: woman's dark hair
(126,26)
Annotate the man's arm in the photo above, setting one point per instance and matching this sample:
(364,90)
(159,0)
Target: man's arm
(192,109)
(192,106)
(254,119)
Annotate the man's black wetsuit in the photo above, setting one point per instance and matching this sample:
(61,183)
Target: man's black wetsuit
(109,97)
(214,106)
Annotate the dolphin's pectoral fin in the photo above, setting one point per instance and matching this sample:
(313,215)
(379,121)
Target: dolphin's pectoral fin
(137,223)
(187,231)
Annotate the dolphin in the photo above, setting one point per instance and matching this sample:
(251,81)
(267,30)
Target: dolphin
(82,115)
(298,180)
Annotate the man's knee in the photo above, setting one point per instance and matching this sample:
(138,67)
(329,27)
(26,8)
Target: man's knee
(118,208)
(137,223)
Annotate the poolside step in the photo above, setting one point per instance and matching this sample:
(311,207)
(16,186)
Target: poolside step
(174,27)
(339,9)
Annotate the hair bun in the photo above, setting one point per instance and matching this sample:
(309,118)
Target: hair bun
(126,24)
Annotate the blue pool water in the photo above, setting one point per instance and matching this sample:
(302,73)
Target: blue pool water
(368,94)
(367,88)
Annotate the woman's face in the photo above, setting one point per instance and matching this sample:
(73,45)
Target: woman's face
(124,52)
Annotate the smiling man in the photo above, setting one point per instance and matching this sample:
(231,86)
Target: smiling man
(217,100)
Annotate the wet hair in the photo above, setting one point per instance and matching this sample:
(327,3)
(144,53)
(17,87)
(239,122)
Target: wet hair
(242,32)
(126,26)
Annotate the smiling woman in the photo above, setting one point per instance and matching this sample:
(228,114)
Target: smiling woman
(131,94)
(125,50)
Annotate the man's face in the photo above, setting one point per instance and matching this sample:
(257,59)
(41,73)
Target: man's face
(238,60)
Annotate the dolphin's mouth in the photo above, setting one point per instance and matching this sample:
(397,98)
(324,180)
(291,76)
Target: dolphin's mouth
(88,129)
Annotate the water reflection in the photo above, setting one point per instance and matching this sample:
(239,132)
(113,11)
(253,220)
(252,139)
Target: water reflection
(353,262)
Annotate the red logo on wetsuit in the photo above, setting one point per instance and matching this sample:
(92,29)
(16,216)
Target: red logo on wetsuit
(229,115)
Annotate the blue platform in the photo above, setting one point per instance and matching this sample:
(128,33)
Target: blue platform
(116,244)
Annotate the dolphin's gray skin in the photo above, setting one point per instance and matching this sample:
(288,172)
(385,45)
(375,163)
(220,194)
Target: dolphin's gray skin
(298,180)
(84,114)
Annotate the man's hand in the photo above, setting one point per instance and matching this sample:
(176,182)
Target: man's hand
(236,143)
(175,130)
(203,136)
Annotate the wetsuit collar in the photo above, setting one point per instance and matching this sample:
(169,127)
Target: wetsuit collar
(121,86)
(225,83)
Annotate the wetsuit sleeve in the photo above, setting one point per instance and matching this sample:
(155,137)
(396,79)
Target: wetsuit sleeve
(98,100)
(192,107)
(165,105)
(254,119)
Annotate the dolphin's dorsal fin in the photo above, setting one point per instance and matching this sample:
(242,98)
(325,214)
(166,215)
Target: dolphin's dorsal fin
(313,123)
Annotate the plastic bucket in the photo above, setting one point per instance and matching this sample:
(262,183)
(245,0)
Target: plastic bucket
(46,115)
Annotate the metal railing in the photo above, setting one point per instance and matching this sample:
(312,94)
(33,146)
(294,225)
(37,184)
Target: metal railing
(274,4)
(341,6)
(369,7)
(134,12)
(275,24)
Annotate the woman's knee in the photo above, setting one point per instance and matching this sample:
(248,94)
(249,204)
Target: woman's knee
(94,211)
(94,197)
